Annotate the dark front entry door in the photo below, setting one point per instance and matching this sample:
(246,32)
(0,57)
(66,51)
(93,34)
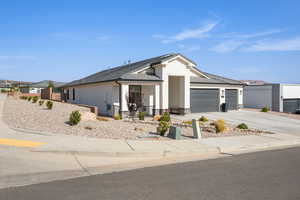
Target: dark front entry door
(135,95)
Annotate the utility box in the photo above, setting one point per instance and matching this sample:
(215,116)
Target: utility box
(174,133)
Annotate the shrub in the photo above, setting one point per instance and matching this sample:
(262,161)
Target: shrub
(220,126)
(265,109)
(117,117)
(203,119)
(35,99)
(242,126)
(49,105)
(75,117)
(141,115)
(29,98)
(188,122)
(163,127)
(41,102)
(165,117)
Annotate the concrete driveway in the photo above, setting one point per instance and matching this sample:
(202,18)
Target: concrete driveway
(254,119)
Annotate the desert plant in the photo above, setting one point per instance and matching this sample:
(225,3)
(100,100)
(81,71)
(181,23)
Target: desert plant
(141,115)
(117,117)
(41,102)
(242,126)
(220,126)
(265,109)
(165,117)
(188,122)
(163,127)
(75,117)
(49,105)
(35,99)
(203,119)
(29,98)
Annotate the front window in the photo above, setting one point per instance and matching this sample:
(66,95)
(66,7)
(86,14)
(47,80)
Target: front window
(135,95)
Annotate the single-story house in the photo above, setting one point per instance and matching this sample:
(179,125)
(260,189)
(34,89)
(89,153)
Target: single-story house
(277,97)
(169,82)
(35,88)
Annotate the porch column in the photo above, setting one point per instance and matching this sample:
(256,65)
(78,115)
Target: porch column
(164,96)
(156,99)
(124,93)
(187,87)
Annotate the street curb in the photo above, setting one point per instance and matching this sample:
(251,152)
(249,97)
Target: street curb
(267,146)
(162,154)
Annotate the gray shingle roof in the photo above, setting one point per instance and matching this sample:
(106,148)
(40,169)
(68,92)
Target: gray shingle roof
(214,79)
(124,72)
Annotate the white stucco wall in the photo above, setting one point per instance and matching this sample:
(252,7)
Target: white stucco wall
(290,91)
(100,95)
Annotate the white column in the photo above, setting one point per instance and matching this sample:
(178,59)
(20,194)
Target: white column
(156,97)
(222,95)
(124,95)
(187,86)
(164,94)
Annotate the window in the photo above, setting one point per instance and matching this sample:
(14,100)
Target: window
(73,93)
(135,94)
(68,94)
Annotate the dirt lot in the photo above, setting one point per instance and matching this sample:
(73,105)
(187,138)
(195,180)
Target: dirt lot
(27,115)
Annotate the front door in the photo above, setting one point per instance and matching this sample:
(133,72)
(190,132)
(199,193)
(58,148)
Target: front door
(135,95)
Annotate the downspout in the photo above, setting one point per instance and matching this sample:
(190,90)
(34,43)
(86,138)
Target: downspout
(120,98)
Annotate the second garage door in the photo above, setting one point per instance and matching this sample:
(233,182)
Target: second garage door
(204,100)
(291,105)
(231,99)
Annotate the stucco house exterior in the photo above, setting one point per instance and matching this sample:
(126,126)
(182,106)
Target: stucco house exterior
(169,82)
(277,97)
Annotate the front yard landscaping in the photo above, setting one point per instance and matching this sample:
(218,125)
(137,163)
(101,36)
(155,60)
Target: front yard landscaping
(38,117)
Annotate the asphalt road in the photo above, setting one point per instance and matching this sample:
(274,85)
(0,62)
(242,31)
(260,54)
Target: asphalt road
(264,175)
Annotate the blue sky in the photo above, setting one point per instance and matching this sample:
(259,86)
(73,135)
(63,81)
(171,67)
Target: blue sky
(66,40)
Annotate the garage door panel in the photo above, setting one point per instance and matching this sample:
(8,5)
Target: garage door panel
(204,100)
(231,99)
(291,105)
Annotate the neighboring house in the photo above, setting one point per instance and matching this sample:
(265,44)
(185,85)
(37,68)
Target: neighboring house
(5,84)
(35,88)
(277,97)
(253,82)
(166,83)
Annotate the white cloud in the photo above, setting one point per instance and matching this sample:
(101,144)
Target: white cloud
(292,44)
(197,33)
(227,46)
(239,41)
(17,58)
(253,35)
(188,48)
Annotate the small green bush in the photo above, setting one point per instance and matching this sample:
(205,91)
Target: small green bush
(35,99)
(41,102)
(242,126)
(220,126)
(141,115)
(29,98)
(165,117)
(163,127)
(49,105)
(203,119)
(117,117)
(265,109)
(75,117)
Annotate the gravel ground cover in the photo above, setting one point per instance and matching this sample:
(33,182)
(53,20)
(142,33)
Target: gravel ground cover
(26,115)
